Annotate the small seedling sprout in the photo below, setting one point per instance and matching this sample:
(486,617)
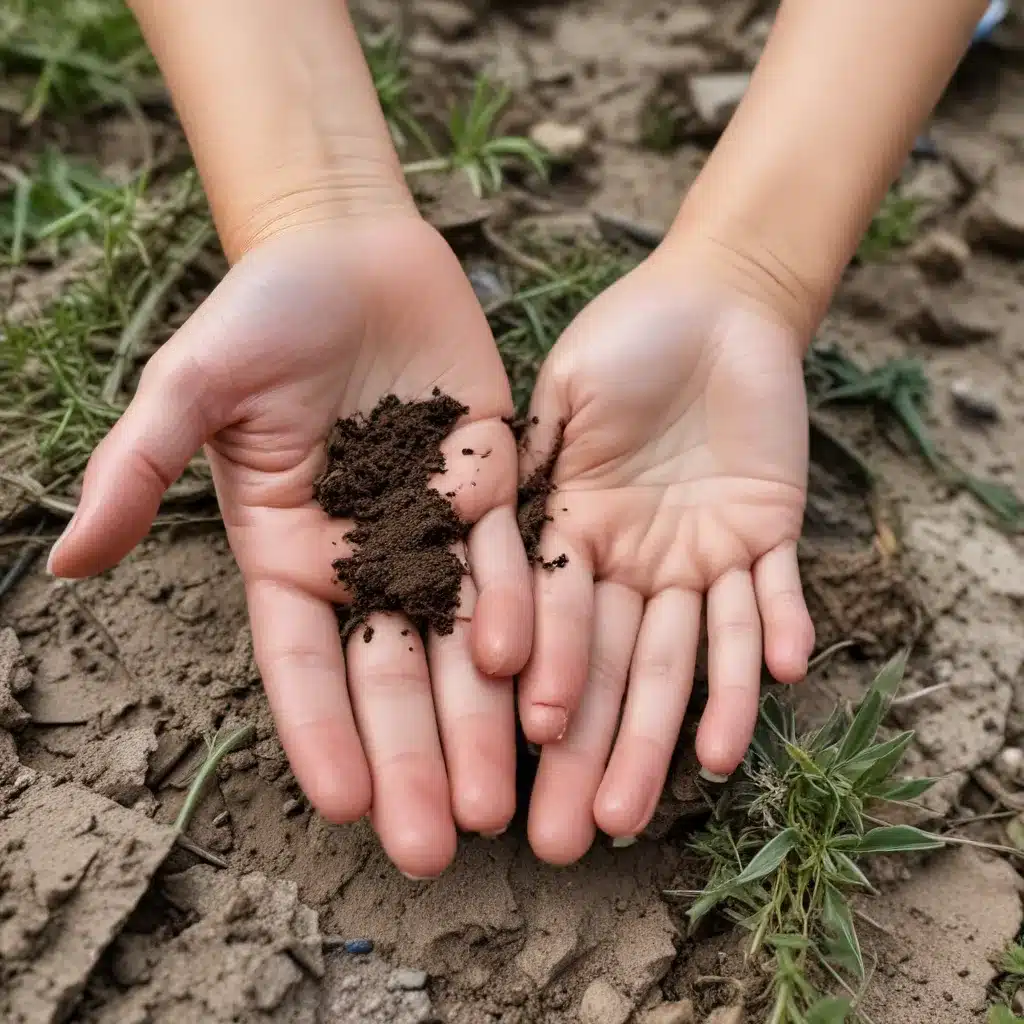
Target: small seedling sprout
(217,749)
(476,149)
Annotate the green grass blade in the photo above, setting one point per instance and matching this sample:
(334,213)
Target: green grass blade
(768,858)
(828,1011)
(881,759)
(838,924)
(902,789)
(896,839)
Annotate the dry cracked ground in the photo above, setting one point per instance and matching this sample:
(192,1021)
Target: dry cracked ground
(108,687)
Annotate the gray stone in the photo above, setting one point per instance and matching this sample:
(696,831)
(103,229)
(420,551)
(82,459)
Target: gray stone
(716,95)
(407,979)
(562,142)
(941,255)
(602,1003)
(996,217)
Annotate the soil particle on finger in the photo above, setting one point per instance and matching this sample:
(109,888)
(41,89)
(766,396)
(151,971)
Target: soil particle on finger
(532,507)
(378,473)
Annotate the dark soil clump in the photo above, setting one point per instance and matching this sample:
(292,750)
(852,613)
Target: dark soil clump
(532,510)
(377,473)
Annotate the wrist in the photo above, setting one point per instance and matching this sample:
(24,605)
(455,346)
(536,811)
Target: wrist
(280,112)
(301,195)
(737,266)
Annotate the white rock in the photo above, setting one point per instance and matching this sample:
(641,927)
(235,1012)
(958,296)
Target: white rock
(562,142)
(716,96)
(602,1003)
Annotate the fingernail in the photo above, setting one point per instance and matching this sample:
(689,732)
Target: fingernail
(718,780)
(60,540)
(550,719)
(622,842)
(494,835)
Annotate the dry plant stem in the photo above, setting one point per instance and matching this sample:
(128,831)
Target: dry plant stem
(69,587)
(200,851)
(22,563)
(909,698)
(147,311)
(830,652)
(514,254)
(241,737)
(995,789)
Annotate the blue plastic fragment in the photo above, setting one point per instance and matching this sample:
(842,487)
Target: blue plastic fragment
(359,947)
(990,20)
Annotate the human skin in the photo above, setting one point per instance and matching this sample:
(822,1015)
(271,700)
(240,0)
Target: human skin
(683,470)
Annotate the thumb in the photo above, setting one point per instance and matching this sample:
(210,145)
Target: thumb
(167,422)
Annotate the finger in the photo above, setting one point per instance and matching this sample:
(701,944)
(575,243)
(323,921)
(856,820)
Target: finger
(480,479)
(552,682)
(476,717)
(503,623)
(167,422)
(788,630)
(395,712)
(734,671)
(298,651)
(660,681)
(561,820)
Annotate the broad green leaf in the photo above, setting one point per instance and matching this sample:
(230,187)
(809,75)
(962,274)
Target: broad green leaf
(862,729)
(838,923)
(888,680)
(828,1011)
(882,758)
(794,942)
(1003,1015)
(896,839)
(848,871)
(802,758)
(768,858)
(902,789)
(705,903)
(861,733)
(832,731)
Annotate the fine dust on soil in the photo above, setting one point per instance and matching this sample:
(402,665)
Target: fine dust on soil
(102,720)
(378,471)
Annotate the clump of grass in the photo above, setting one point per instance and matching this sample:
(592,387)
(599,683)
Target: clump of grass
(72,55)
(383,52)
(474,145)
(554,282)
(899,389)
(893,226)
(787,840)
(62,367)
(56,201)
(1011,969)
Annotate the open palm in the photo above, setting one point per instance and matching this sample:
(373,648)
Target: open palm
(681,483)
(312,326)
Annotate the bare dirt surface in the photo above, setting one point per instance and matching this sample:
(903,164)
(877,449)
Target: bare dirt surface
(102,721)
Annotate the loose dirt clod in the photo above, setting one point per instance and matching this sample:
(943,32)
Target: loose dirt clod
(378,472)
(533,507)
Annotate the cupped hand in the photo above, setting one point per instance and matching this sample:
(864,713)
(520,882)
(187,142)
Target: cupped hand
(316,324)
(681,484)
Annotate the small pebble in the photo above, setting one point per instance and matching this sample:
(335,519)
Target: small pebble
(562,142)
(1009,764)
(290,807)
(408,980)
(973,402)
(357,947)
(222,819)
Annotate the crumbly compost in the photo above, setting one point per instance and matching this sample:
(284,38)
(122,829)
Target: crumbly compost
(377,474)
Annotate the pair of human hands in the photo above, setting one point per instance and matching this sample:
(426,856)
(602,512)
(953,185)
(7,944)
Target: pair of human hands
(680,492)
